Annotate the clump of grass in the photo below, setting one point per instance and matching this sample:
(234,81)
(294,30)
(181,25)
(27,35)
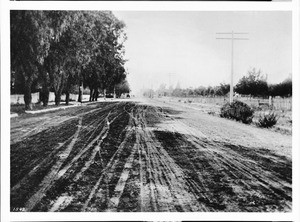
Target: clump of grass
(267,120)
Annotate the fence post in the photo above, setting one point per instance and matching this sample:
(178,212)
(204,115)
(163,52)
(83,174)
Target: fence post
(270,101)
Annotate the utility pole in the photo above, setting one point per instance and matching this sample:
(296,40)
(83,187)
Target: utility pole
(232,38)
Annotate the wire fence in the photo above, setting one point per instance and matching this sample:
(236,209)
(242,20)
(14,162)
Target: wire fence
(276,103)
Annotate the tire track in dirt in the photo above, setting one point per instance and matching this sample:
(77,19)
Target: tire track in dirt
(37,167)
(156,162)
(31,126)
(107,172)
(114,201)
(143,199)
(35,170)
(100,138)
(86,158)
(232,167)
(37,127)
(80,154)
(27,156)
(149,187)
(54,173)
(64,200)
(256,175)
(168,175)
(215,153)
(161,186)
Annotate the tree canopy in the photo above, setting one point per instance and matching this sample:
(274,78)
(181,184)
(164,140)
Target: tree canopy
(55,50)
(283,89)
(254,83)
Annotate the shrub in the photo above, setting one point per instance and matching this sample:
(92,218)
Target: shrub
(267,120)
(238,111)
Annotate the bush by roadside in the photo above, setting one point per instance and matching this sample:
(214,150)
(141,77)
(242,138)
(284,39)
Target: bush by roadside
(267,120)
(238,111)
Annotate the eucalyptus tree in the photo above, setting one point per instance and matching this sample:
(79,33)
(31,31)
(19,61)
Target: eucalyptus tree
(106,53)
(122,87)
(59,64)
(63,61)
(70,54)
(88,35)
(61,49)
(113,72)
(92,77)
(32,34)
(30,42)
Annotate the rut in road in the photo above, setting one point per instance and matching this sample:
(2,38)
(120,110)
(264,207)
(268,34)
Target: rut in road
(40,155)
(227,177)
(134,157)
(53,175)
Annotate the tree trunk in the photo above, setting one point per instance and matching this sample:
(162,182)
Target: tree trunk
(57,98)
(95,94)
(45,96)
(91,94)
(67,98)
(40,97)
(80,94)
(44,93)
(27,95)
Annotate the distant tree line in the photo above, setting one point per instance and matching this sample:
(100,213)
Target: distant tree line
(209,91)
(253,84)
(220,90)
(61,51)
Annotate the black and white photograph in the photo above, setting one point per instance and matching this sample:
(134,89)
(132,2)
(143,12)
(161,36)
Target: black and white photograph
(198,118)
(147,111)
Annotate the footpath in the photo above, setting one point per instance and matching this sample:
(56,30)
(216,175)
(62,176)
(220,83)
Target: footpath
(71,105)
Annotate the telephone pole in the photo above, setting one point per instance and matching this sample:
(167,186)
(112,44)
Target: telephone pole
(232,38)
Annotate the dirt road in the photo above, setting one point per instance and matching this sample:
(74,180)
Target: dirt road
(153,156)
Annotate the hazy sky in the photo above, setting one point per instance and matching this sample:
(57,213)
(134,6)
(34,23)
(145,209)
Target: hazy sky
(184,45)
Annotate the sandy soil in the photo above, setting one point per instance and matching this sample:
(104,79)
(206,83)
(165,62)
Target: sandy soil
(146,156)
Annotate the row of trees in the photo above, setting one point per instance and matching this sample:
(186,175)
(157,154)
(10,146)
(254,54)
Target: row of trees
(59,50)
(220,90)
(253,84)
